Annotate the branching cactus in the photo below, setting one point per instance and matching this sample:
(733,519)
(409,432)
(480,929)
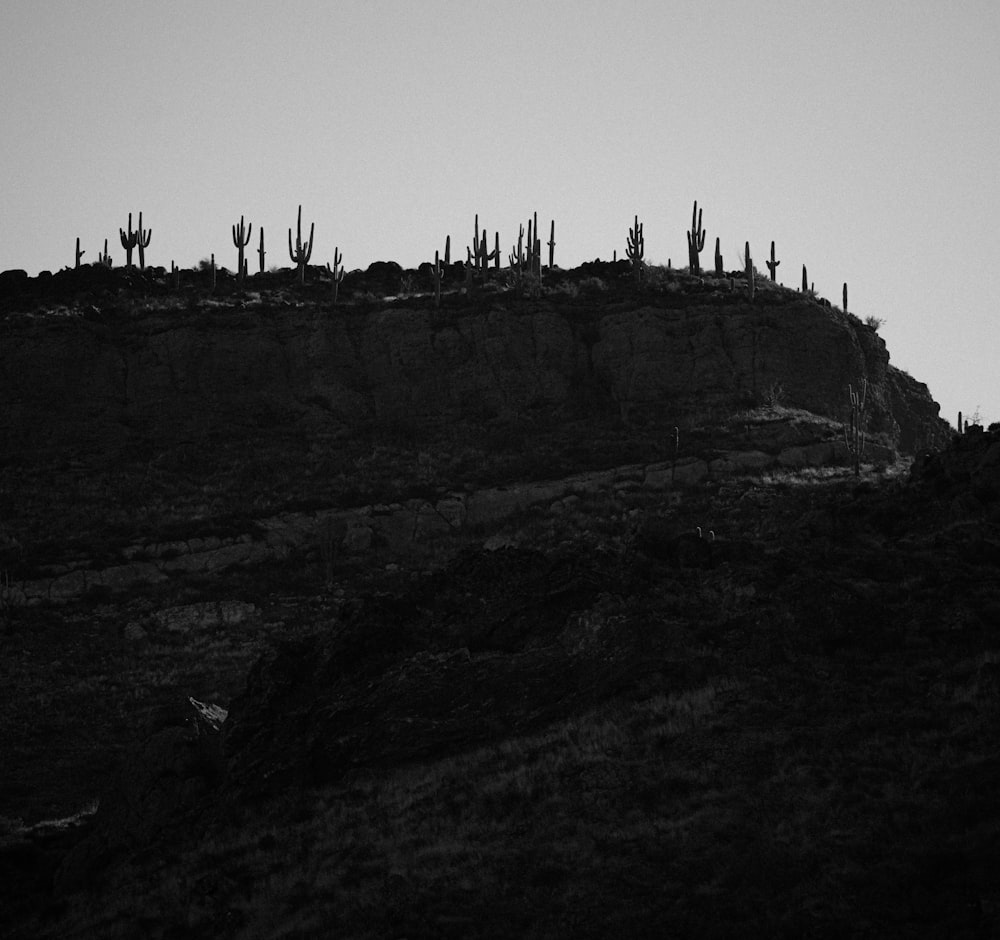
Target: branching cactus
(854,433)
(79,253)
(260,250)
(302,252)
(337,271)
(241,238)
(517,259)
(772,265)
(751,286)
(494,255)
(535,246)
(104,258)
(696,240)
(175,274)
(635,248)
(143,243)
(128,241)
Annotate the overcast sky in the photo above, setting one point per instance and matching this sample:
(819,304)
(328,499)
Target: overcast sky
(861,136)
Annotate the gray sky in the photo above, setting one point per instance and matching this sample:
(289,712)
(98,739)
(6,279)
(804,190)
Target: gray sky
(861,136)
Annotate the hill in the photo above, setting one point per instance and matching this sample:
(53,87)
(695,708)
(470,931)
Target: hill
(515,660)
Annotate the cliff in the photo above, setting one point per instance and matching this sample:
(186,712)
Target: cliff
(98,373)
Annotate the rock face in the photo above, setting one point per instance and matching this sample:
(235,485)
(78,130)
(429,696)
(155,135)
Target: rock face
(83,378)
(491,646)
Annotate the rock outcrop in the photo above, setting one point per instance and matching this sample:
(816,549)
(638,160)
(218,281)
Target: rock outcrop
(89,376)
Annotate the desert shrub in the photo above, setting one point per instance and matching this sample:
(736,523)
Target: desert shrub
(874,322)
(774,395)
(593,285)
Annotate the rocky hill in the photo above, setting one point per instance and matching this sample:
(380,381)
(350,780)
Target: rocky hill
(477,646)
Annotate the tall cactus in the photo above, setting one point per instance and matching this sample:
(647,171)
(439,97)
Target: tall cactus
(552,245)
(79,253)
(260,250)
(517,260)
(143,243)
(437,272)
(805,281)
(241,238)
(751,286)
(303,250)
(128,241)
(696,240)
(337,271)
(854,434)
(635,248)
(104,258)
(719,270)
(772,265)
(845,296)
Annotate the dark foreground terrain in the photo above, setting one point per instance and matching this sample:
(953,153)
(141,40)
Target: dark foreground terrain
(466,666)
(606,728)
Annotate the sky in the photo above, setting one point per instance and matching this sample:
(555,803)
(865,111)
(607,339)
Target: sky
(862,137)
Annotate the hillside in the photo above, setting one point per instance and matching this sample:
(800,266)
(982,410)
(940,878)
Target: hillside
(498,653)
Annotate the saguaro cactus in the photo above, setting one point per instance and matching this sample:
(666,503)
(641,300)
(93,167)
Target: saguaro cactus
(751,286)
(79,253)
(104,258)
(143,243)
(447,250)
(635,248)
(845,297)
(805,281)
(437,272)
(552,245)
(175,274)
(534,247)
(303,250)
(719,270)
(696,240)
(517,260)
(241,238)
(128,241)
(772,265)
(260,250)
(854,434)
(337,271)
